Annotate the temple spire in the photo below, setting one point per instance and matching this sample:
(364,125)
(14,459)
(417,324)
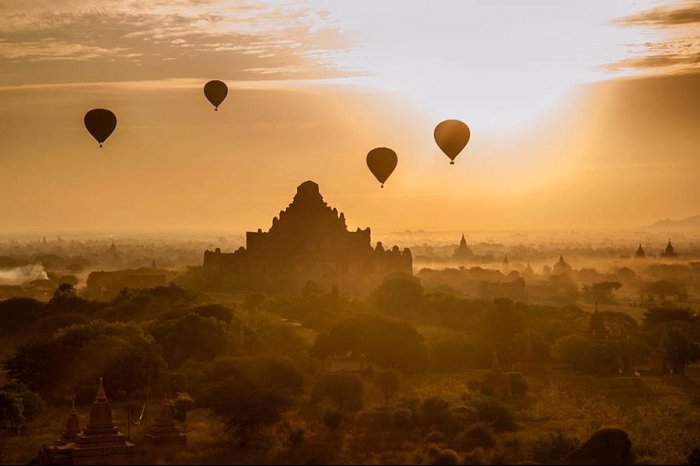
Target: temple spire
(101,396)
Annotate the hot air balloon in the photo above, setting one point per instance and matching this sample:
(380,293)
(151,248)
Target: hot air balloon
(216,92)
(451,136)
(100,122)
(381,162)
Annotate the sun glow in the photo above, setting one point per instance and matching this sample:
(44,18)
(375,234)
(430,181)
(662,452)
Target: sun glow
(478,60)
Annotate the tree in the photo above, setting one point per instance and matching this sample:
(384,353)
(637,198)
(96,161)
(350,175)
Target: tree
(388,382)
(190,337)
(243,406)
(18,406)
(78,355)
(398,294)
(65,299)
(584,355)
(385,342)
(217,311)
(601,292)
(479,435)
(659,315)
(664,288)
(182,404)
(18,314)
(250,392)
(680,349)
(494,412)
(504,320)
(606,446)
(434,411)
(343,389)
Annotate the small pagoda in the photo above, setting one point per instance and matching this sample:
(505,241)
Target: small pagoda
(562,267)
(506,264)
(163,439)
(100,442)
(496,383)
(463,252)
(640,252)
(669,251)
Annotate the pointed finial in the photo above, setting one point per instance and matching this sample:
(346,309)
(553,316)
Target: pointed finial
(101,395)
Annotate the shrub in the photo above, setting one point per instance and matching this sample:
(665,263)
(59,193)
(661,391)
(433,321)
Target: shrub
(435,437)
(606,446)
(446,457)
(518,384)
(343,389)
(296,438)
(476,456)
(495,413)
(553,448)
(402,418)
(18,406)
(332,419)
(434,410)
(479,435)
(181,405)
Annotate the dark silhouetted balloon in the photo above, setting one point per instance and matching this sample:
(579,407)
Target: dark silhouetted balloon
(216,92)
(451,136)
(381,162)
(100,122)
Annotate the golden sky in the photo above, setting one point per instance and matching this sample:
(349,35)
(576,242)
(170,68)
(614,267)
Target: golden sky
(583,113)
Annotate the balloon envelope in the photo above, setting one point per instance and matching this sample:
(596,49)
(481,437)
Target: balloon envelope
(451,136)
(216,92)
(100,122)
(381,162)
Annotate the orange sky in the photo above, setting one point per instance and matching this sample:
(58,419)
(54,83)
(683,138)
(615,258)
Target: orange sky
(583,114)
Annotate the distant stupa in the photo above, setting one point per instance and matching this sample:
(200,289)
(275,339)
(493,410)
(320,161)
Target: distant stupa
(506,264)
(640,252)
(669,251)
(463,252)
(561,267)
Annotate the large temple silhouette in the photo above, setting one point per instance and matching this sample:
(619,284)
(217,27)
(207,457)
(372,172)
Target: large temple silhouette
(308,241)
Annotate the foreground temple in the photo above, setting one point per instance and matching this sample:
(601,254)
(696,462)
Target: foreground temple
(309,240)
(100,442)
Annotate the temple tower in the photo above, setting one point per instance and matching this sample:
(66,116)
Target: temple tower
(99,443)
(163,439)
(72,428)
(496,382)
(669,251)
(463,252)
